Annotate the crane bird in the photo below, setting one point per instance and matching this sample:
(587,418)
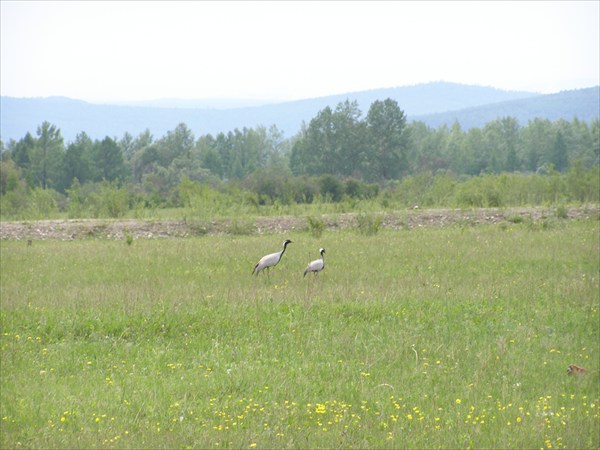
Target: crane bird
(271,260)
(317,265)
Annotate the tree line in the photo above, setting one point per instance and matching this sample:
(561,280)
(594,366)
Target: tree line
(339,152)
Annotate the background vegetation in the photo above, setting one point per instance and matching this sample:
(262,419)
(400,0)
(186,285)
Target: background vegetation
(454,337)
(338,157)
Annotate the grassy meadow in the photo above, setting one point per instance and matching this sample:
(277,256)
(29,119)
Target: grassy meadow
(452,337)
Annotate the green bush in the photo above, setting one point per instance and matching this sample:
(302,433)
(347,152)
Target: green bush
(128,237)
(562,212)
(303,195)
(315,226)
(240,227)
(368,224)
(42,203)
(109,201)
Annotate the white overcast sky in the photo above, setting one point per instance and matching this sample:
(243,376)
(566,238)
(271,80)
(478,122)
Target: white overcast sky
(108,50)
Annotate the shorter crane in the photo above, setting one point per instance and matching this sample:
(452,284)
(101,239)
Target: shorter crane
(271,260)
(317,265)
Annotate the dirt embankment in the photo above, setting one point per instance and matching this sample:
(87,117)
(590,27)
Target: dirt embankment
(139,229)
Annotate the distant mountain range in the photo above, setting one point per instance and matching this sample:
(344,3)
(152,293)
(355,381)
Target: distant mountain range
(435,104)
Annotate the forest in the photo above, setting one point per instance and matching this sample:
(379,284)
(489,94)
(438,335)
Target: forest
(341,155)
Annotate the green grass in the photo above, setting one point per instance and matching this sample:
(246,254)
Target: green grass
(438,337)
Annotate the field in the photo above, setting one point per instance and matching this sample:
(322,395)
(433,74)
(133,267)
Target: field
(454,336)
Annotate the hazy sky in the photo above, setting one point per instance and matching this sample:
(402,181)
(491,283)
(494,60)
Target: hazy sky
(109,50)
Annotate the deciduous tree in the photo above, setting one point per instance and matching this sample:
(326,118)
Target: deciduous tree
(48,156)
(387,141)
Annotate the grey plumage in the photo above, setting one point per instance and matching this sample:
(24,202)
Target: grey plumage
(317,265)
(271,260)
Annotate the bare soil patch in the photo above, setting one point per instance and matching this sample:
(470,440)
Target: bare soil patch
(147,229)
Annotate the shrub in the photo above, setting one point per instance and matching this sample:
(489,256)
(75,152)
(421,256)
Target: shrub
(42,203)
(368,224)
(109,201)
(315,226)
(128,237)
(331,187)
(241,227)
(562,212)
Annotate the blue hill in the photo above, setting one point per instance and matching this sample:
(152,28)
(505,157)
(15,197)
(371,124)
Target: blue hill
(433,103)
